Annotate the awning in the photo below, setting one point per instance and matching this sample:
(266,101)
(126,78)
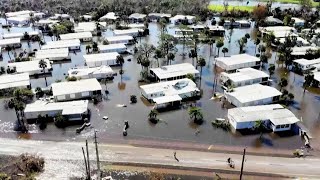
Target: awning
(167,99)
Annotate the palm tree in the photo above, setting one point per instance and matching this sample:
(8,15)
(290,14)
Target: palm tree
(26,37)
(259,126)
(120,60)
(283,83)
(256,42)
(224,51)
(196,114)
(191,77)
(219,44)
(158,54)
(43,65)
(170,57)
(308,79)
(88,47)
(95,46)
(201,62)
(271,69)
(50,33)
(152,116)
(8,49)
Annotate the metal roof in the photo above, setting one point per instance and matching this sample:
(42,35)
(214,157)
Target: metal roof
(110,39)
(111,47)
(28,66)
(14,80)
(61,44)
(101,57)
(79,35)
(245,74)
(11,41)
(84,71)
(175,70)
(71,87)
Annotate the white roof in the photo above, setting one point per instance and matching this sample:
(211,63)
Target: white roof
(243,21)
(182,17)
(52,53)
(299,39)
(67,108)
(317,76)
(61,44)
(28,66)
(282,34)
(119,38)
(305,62)
(298,20)
(272,19)
(14,80)
(253,92)
(111,47)
(168,89)
(135,25)
(137,16)
(109,15)
(245,74)
(18,13)
(47,21)
(5,42)
(101,57)
(160,15)
(174,70)
(85,27)
(19,35)
(84,71)
(166,99)
(302,50)
(78,35)
(71,87)
(274,29)
(19,18)
(216,28)
(226,62)
(276,113)
(127,31)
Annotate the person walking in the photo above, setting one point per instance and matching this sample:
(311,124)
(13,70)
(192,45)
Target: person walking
(175,156)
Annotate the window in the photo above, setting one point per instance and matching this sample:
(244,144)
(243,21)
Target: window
(282,126)
(287,125)
(278,127)
(72,96)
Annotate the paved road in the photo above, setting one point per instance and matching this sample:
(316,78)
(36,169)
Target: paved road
(64,159)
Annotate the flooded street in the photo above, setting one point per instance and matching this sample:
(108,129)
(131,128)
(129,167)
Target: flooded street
(176,124)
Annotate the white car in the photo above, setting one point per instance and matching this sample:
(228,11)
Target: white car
(105,117)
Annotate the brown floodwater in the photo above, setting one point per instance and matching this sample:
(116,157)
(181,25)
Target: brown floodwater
(175,125)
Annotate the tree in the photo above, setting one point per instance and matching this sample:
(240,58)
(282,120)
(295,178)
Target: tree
(191,77)
(50,33)
(39,92)
(43,65)
(259,126)
(271,69)
(88,47)
(26,37)
(308,79)
(219,44)
(256,42)
(133,99)
(201,62)
(157,55)
(170,57)
(283,83)
(152,116)
(259,13)
(120,61)
(224,51)
(8,49)
(306,5)
(95,46)
(196,114)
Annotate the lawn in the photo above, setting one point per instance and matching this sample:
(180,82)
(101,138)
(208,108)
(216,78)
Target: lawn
(220,8)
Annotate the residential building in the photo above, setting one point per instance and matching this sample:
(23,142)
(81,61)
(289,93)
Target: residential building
(30,67)
(13,42)
(82,36)
(238,61)
(119,48)
(182,19)
(128,32)
(15,81)
(96,60)
(72,45)
(137,17)
(71,90)
(20,35)
(120,39)
(305,65)
(102,72)
(53,54)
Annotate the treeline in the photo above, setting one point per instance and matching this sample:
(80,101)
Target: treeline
(101,7)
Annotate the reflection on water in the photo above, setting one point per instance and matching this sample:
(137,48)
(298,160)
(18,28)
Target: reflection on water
(178,125)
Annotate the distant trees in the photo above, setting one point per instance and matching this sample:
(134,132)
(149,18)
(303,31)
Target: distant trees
(219,44)
(259,13)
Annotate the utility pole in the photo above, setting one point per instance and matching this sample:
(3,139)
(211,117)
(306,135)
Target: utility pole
(243,156)
(97,153)
(88,160)
(85,161)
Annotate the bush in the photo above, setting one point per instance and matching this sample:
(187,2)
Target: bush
(133,99)
(4,176)
(72,78)
(60,121)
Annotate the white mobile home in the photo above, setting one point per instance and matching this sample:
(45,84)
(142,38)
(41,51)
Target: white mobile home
(66,91)
(96,60)
(120,39)
(20,35)
(174,72)
(44,22)
(301,51)
(273,116)
(18,13)
(53,54)
(60,16)
(127,32)
(305,64)
(15,81)
(102,72)
(239,61)
(119,48)
(14,42)
(252,95)
(182,19)
(73,44)
(298,22)
(86,27)
(158,16)
(137,17)
(278,31)
(73,110)
(109,16)
(31,67)
(164,93)
(82,36)
(243,77)
(19,20)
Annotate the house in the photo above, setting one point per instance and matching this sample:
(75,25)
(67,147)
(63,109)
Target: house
(134,26)
(109,16)
(82,36)
(86,27)
(274,116)
(60,16)
(238,61)
(182,19)
(243,77)
(271,21)
(174,72)
(82,89)
(158,16)
(299,42)
(53,54)
(13,42)
(30,67)
(18,13)
(170,92)
(252,95)
(183,33)
(96,60)
(72,45)
(86,17)
(120,39)
(305,65)
(217,30)
(298,22)
(15,81)
(278,31)
(137,17)
(45,22)
(19,20)
(119,48)
(73,110)
(301,51)
(244,23)
(102,72)
(128,32)
(20,35)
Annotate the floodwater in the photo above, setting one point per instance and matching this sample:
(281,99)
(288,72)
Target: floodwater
(176,124)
